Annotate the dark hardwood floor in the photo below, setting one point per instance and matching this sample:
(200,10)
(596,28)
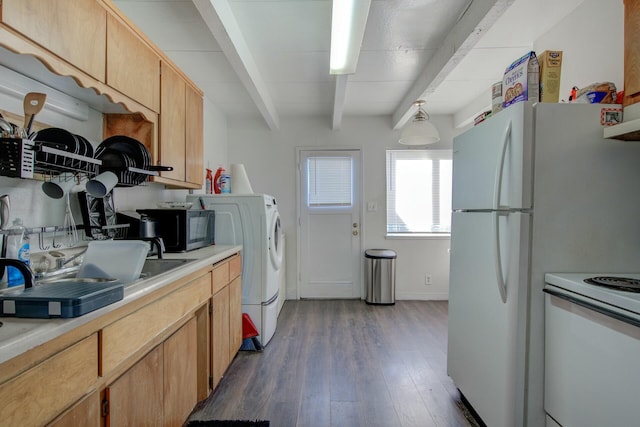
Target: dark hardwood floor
(344,363)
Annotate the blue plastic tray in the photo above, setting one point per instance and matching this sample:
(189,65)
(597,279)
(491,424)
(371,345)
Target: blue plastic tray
(59,299)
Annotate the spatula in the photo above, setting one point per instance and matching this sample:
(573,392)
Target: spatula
(33,103)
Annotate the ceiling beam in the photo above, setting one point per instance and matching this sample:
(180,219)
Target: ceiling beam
(218,16)
(475,21)
(338,100)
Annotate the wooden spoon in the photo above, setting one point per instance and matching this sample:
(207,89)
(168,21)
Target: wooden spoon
(33,104)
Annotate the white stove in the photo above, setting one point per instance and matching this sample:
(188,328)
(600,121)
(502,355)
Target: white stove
(592,345)
(574,284)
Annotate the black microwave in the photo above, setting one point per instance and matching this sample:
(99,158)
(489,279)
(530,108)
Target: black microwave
(183,229)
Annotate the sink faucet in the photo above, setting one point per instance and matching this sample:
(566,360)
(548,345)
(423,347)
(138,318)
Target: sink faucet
(22,267)
(155,241)
(158,242)
(61,262)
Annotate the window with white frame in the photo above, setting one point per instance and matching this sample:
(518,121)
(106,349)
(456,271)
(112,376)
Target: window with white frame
(419,192)
(330,182)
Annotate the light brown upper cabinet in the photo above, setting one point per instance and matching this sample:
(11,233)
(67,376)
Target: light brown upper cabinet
(74,30)
(133,67)
(181,131)
(172,123)
(631,52)
(93,42)
(195,140)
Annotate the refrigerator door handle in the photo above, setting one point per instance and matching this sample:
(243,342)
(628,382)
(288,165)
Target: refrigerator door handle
(502,287)
(497,184)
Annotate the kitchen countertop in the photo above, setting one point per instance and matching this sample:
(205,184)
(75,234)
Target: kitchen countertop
(18,335)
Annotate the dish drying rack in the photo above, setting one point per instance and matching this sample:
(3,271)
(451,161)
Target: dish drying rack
(117,231)
(24,158)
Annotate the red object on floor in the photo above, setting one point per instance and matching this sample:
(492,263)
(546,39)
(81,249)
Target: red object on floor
(248,327)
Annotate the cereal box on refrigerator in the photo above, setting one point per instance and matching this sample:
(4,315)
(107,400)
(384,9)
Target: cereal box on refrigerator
(496,97)
(520,81)
(550,68)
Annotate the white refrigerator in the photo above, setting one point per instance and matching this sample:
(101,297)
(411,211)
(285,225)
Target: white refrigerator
(535,189)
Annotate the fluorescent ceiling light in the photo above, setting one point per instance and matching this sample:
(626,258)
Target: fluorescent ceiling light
(348,21)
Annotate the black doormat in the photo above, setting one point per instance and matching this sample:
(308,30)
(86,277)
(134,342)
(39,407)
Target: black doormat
(235,423)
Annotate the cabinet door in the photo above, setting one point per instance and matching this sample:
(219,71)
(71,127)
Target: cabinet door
(74,30)
(235,317)
(172,123)
(180,374)
(41,393)
(220,335)
(631,52)
(194,138)
(128,335)
(132,67)
(135,399)
(203,321)
(86,413)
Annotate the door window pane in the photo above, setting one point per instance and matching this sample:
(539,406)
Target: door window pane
(330,181)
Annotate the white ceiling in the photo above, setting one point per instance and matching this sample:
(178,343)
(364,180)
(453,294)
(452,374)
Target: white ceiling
(271,57)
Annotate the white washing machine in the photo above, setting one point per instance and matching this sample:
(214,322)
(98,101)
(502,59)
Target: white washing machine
(253,221)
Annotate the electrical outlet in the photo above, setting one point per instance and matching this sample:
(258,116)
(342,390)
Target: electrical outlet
(427,279)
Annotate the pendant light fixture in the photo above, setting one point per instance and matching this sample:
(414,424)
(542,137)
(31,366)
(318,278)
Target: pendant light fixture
(419,131)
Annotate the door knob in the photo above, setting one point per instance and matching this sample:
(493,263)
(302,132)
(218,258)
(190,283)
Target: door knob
(355,232)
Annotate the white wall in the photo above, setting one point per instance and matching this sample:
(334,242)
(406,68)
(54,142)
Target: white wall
(592,41)
(270,160)
(591,38)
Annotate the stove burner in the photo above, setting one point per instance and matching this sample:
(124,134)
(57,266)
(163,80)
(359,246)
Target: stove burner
(619,283)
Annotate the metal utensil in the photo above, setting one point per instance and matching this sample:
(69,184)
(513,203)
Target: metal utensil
(33,104)
(5,213)
(70,226)
(5,128)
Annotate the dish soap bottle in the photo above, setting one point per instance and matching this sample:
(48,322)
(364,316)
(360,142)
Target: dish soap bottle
(17,248)
(209,180)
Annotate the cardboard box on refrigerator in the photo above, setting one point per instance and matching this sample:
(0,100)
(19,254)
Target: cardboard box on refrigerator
(550,69)
(521,80)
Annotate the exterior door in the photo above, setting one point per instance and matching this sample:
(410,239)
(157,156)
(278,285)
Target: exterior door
(329,238)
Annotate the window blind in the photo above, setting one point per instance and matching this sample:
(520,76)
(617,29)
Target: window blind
(419,191)
(330,181)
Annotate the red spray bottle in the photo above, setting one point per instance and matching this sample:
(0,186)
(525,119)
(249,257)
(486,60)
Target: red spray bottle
(209,182)
(216,180)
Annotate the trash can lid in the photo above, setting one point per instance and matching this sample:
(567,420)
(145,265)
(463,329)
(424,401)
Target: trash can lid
(380,253)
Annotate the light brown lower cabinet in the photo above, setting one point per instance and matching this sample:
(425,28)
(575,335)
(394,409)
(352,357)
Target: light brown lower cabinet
(180,374)
(136,398)
(235,316)
(47,389)
(148,367)
(161,388)
(219,335)
(226,317)
(85,413)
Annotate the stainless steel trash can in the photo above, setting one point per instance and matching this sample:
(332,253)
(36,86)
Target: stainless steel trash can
(380,276)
